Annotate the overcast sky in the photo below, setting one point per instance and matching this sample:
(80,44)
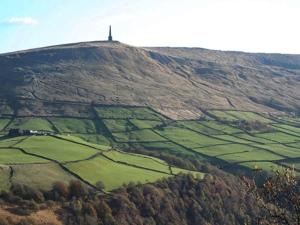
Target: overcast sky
(241,25)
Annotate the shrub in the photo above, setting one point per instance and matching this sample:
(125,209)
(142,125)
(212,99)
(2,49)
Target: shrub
(77,189)
(61,189)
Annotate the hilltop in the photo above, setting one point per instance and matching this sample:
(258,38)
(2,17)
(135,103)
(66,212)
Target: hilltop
(178,82)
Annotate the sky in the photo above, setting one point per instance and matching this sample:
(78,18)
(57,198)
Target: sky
(239,25)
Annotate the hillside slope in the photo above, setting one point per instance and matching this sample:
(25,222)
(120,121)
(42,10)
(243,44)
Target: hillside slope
(179,82)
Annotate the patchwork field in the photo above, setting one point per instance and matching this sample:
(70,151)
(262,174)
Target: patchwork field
(96,149)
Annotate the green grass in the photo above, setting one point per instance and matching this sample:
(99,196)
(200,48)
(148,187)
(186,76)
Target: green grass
(113,175)
(188,138)
(139,160)
(295,145)
(102,147)
(220,150)
(221,127)
(231,138)
(40,176)
(4,178)
(94,138)
(138,136)
(254,154)
(8,142)
(31,124)
(14,156)
(250,116)
(118,125)
(144,124)
(267,166)
(287,128)
(71,125)
(3,123)
(194,173)
(168,147)
(56,149)
(197,126)
(254,139)
(128,113)
(279,137)
(222,115)
(281,149)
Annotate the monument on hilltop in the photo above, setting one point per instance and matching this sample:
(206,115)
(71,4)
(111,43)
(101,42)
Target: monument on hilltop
(110,38)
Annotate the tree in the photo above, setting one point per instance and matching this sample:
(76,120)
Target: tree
(280,196)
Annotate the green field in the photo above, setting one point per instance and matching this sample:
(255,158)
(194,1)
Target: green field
(4,178)
(56,149)
(3,123)
(95,149)
(71,125)
(31,124)
(189,138)
(144,124)
(222,127)
(138,160)
(222,115)
(112,174)
(200,127)
(118,125)
(41,176)
(138,136)
(279,137)
(140,113)
(15,156)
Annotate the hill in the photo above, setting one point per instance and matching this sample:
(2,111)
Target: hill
(179,82)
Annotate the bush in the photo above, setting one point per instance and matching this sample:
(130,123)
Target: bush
(27,192)
(61,189)
(77,189)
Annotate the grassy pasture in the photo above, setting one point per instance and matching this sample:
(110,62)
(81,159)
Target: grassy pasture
(281,150)
(113,175)
(41,176)
(188,138)
(4,178)
(3,123)
(197,126)
(222,127)
(222,115)
(286,128)
(71,125)
(279,137)
(250,116)
(194,173)
(231,138)
(118,125)
(166,147)
(93,138)
(254,154)
(8,142)
(79,140)
(145,124)
(139,160)
(267,166)
(15,156)
(56,149)
(115,112)
(31,124)
(228,149)
(254,139)
(138,136)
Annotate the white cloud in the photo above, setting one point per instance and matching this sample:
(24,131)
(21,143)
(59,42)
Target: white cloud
(21,21)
